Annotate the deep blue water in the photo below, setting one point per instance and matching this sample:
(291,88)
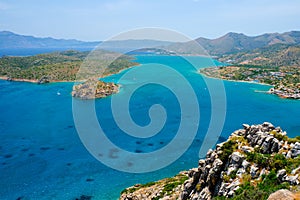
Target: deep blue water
(42,157)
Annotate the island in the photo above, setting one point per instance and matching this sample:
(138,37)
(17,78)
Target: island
(93,88)
(255,162)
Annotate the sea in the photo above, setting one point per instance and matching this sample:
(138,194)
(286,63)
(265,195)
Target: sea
(42,155)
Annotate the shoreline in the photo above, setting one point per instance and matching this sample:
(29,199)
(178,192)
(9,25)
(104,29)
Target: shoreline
(5,78)
(238,81)
(275,92)
(36,81)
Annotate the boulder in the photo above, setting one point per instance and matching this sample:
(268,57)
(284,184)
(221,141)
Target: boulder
(282,194)
(236,159)
(266,145)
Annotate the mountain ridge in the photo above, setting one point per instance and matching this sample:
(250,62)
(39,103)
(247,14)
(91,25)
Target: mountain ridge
(227,44)
(10,40)
(237,42)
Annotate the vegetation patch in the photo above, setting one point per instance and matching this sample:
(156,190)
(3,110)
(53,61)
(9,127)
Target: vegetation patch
(62,66)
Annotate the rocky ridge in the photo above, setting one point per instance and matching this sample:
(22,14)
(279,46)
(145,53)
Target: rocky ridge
(253,163)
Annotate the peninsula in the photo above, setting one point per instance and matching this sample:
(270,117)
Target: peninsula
(285,80)
(59,66)
(64,67)
(276,65)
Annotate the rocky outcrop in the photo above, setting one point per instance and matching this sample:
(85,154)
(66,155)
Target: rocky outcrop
(92,89)
(285,92)
(252,155)
(44,79)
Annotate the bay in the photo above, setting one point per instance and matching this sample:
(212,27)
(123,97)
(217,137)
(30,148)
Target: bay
(42,157)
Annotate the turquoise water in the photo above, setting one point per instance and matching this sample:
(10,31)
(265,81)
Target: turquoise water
(42,157)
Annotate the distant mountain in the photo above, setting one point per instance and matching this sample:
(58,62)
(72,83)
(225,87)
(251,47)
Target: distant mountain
(9,40)
(132,45)
(227,44)
(238,42)
(235,42)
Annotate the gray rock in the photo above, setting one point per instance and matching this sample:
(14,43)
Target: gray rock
(275,146)
(266,145)
(230,169)
(262,172)
(236,159)
(297,146)
(195,197)
(269,125)
(184,195)
(205,194)
(254,171)
(222,190)
(209,152)
(246,127)
(278,129)
(295,152)
(289,154)
(293,180)
(297,170)
(281,175)
(285,146)
(201,163)
(245,164)
(247,149)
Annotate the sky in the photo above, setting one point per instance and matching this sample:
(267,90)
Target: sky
(94,20)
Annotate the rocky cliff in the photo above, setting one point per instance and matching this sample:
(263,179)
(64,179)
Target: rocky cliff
(253,163)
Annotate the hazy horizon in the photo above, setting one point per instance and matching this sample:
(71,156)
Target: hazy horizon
(139,39)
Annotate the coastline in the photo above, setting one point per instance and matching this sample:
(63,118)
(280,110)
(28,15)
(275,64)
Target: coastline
(273,91)
(238,81)
(36,81)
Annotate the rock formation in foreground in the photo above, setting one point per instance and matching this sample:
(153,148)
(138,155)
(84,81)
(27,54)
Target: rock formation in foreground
(93,89)
(253,163)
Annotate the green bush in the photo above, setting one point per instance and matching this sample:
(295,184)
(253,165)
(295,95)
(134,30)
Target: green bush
(261,159)
(227,149)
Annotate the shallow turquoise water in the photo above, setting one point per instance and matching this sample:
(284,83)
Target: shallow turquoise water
(42,157)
